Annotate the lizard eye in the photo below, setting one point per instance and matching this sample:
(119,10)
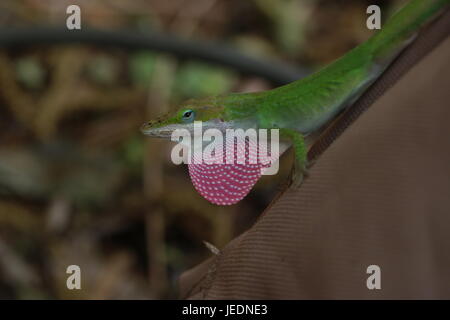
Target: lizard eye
(188,115)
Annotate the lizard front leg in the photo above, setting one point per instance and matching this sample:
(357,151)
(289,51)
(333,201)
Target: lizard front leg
(300,153)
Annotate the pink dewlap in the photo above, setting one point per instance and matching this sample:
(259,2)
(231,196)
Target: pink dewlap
(227,184)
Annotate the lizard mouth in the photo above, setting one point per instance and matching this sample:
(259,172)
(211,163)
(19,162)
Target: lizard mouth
(166,131)
(163,132)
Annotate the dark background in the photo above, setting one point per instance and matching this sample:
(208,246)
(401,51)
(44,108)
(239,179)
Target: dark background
(80,185)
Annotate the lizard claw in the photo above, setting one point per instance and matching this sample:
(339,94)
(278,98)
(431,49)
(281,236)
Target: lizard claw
(298,176)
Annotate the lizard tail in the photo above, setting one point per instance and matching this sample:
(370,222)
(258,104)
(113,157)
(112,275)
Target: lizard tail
(399,30)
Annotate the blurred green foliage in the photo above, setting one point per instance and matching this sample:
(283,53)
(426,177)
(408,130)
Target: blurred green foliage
(30,72)
(196,79)
(142,66)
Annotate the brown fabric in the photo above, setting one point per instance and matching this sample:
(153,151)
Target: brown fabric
(380,194)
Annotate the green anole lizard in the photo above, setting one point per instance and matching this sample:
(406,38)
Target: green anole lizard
(306,105)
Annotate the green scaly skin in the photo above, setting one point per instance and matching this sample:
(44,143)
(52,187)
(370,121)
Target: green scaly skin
(305,105)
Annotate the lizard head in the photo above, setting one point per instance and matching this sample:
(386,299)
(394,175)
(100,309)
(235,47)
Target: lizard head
(210,111)
(217,183)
